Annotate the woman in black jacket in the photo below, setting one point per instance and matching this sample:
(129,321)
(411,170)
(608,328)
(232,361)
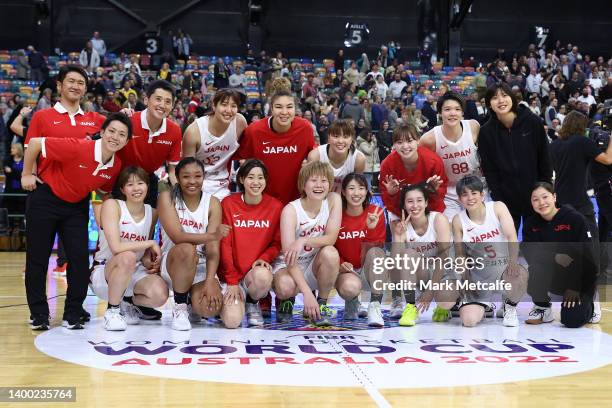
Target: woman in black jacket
(559,248)
(513,150)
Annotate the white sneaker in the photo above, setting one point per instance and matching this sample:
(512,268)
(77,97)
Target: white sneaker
(180,317)
(129,313)
(363,310)
(193,316)
(510,316)
(253,312)
(375,317)
(596,313)
(540,315)
(397,308)
(113,320)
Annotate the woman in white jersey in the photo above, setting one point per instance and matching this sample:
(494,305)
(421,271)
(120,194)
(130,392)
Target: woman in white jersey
(309,229)
(214,138)
(485,232)
(426,236)
(191,231)
(455,142)
(340,152)
(127,260)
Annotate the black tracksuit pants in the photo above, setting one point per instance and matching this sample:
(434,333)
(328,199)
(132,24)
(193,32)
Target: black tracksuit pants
(46,215)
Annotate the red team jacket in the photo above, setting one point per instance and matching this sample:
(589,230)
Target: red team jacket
(429,164)
(255,234)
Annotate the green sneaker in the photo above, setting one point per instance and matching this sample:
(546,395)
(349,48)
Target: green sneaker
(326,315)
(410,315)
(441,315)
(284,314)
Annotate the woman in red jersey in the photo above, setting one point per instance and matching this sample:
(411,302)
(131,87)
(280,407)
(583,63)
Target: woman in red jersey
(252,244)
(362,231)
(282,142)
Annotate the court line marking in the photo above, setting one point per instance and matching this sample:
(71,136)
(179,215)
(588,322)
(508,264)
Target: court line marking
(607,310)
(377,397)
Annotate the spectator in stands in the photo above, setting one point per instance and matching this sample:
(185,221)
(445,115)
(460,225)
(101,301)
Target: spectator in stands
(221,74)
(397,86)
(238,79)
(550,113)
(38,65)
(606,91)
(368,145)
(339,61)
(22,66)
(183,43)
(98,44)
(132,62)
(45,100)
(89,58)
(164,72)
(353,109)
(534,81)
(309,88)
(384,141)
(109,104)
(586,96)
(12,184)
(429,112)
(133,103)
(352,74)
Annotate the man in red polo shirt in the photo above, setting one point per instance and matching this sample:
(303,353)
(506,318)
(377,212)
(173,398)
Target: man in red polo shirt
(157,140)
(59,203)
(65,119)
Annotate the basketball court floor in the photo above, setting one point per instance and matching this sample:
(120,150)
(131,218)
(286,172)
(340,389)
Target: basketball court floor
(295,365)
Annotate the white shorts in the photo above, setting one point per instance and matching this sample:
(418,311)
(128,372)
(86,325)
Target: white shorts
(453,207)
(99,285)
(215,188)
(200,275)
(306,267)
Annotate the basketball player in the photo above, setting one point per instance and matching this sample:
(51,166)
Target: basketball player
(126,230)
(282,142)
(251,245)
(485,231)
(409,164)
(424,234)
(309,229)
(362,232)
(564,265)
(59,203)
(340,152)
(191,231)
(214,138)
(157,140)
(455,142)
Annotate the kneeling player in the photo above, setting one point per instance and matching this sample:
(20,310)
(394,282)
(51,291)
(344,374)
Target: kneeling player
(309,228)
(120,266)
(426,235)
(362,232)
(252,244)
(485,232)
(191,231)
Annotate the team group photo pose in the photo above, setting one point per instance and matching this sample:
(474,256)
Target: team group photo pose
(255,203)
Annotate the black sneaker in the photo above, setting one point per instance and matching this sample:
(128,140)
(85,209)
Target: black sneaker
(73,322)
(39,322)
(148,313)
(284,311)
(455,309)
(85,316)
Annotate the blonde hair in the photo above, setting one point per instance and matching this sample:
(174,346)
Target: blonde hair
(19,148)
(316,168)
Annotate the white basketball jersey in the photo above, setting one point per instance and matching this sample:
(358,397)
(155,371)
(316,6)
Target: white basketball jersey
(339,173)
(487,241)
(194,222)
(129,230)
(216,153)
(426,244)
(460,158)
(310,227)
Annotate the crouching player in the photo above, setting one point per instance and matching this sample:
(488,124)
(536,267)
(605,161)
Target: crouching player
(485,231)
(251,245)
(120,266)
(360,242)
(309,228)
(191,231)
